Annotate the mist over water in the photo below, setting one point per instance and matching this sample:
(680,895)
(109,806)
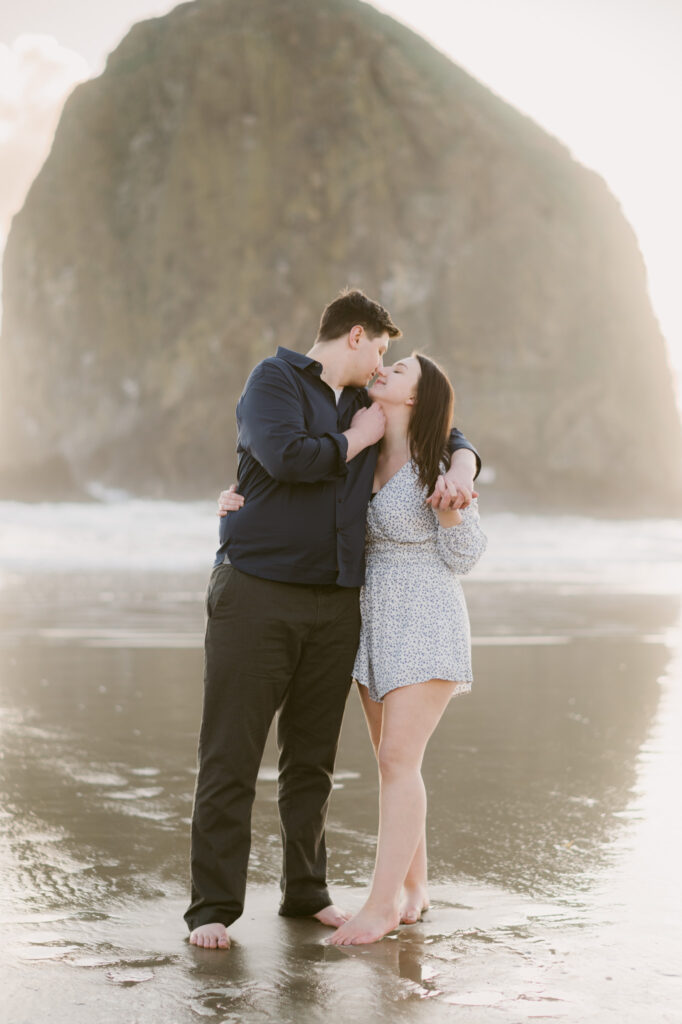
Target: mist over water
(554,830)
(643,554)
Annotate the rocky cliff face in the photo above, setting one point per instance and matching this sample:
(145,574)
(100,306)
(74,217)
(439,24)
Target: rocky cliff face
(236,164)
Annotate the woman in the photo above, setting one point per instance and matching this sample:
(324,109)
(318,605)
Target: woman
(414,652)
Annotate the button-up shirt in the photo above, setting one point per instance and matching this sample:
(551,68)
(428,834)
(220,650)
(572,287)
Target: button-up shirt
(303,518)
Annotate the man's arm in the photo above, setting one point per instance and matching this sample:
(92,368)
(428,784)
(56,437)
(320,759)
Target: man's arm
(456,488)
(459,444)
(272,428)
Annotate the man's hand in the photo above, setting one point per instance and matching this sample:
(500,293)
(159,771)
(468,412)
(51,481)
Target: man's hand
(371,423)
(229,500)
(456,488)
(366,428)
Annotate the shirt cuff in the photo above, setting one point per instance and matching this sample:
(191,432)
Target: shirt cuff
(341,442)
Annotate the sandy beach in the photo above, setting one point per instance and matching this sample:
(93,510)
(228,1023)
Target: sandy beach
(554,829)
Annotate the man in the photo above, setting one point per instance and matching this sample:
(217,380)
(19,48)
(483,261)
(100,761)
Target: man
(282,606)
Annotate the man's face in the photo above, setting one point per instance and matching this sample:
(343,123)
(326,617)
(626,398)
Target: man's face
(368,358)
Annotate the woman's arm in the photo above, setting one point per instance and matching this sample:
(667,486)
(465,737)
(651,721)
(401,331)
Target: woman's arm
(461,544)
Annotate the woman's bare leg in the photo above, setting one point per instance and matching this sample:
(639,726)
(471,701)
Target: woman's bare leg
(373,716)
(415,897)
(409,716)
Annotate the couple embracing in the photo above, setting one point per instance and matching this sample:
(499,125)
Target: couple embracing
(339,560)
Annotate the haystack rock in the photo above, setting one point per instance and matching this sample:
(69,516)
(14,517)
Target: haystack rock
(240,161)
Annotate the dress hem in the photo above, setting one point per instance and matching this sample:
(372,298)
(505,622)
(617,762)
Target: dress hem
(463,687)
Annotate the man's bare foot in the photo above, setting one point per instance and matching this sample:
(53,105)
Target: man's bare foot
(414,902)
(210,936)
(332,916)
(367,926)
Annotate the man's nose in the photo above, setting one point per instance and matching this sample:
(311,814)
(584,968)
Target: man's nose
(380,367)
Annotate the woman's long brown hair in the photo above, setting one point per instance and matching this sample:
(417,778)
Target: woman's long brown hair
(430,423)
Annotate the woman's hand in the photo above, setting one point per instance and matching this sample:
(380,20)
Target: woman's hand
(455,489)
(229,501)
(449,517)
(446,493)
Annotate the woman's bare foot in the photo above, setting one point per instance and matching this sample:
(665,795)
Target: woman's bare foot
(414,902)
(210,936)
(366,926)
(332,916)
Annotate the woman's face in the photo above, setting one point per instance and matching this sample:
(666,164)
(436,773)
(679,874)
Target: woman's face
(397,384)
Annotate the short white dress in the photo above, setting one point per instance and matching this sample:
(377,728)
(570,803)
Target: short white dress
(415,624)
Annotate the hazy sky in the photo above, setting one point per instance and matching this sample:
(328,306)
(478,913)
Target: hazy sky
(604,76)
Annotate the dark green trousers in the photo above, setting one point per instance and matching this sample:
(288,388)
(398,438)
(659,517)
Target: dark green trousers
(270,648)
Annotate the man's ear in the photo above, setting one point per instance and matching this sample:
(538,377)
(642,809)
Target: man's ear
(355,335)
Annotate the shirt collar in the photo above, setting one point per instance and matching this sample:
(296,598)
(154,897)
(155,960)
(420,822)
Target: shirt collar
(299,360)
(306,363)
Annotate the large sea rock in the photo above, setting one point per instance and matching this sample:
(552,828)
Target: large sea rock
(236,164)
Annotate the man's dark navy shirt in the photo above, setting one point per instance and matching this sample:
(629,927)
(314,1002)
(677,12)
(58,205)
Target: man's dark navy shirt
(303,518)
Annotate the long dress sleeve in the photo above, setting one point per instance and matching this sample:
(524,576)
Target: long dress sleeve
(462,545)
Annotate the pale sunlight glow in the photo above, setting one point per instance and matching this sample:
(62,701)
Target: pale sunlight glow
(36,76)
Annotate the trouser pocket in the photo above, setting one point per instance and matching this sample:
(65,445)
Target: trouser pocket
(222,577)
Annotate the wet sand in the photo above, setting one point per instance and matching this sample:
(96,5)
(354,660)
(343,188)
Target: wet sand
(554,826)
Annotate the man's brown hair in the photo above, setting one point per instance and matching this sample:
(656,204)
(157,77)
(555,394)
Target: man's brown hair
(353,308)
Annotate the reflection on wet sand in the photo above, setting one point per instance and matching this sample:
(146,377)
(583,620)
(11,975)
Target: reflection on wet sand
(548,812)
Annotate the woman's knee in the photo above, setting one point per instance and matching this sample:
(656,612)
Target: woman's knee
(395,761)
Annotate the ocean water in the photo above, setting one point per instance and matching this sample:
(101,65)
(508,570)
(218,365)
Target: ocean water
(638,554)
